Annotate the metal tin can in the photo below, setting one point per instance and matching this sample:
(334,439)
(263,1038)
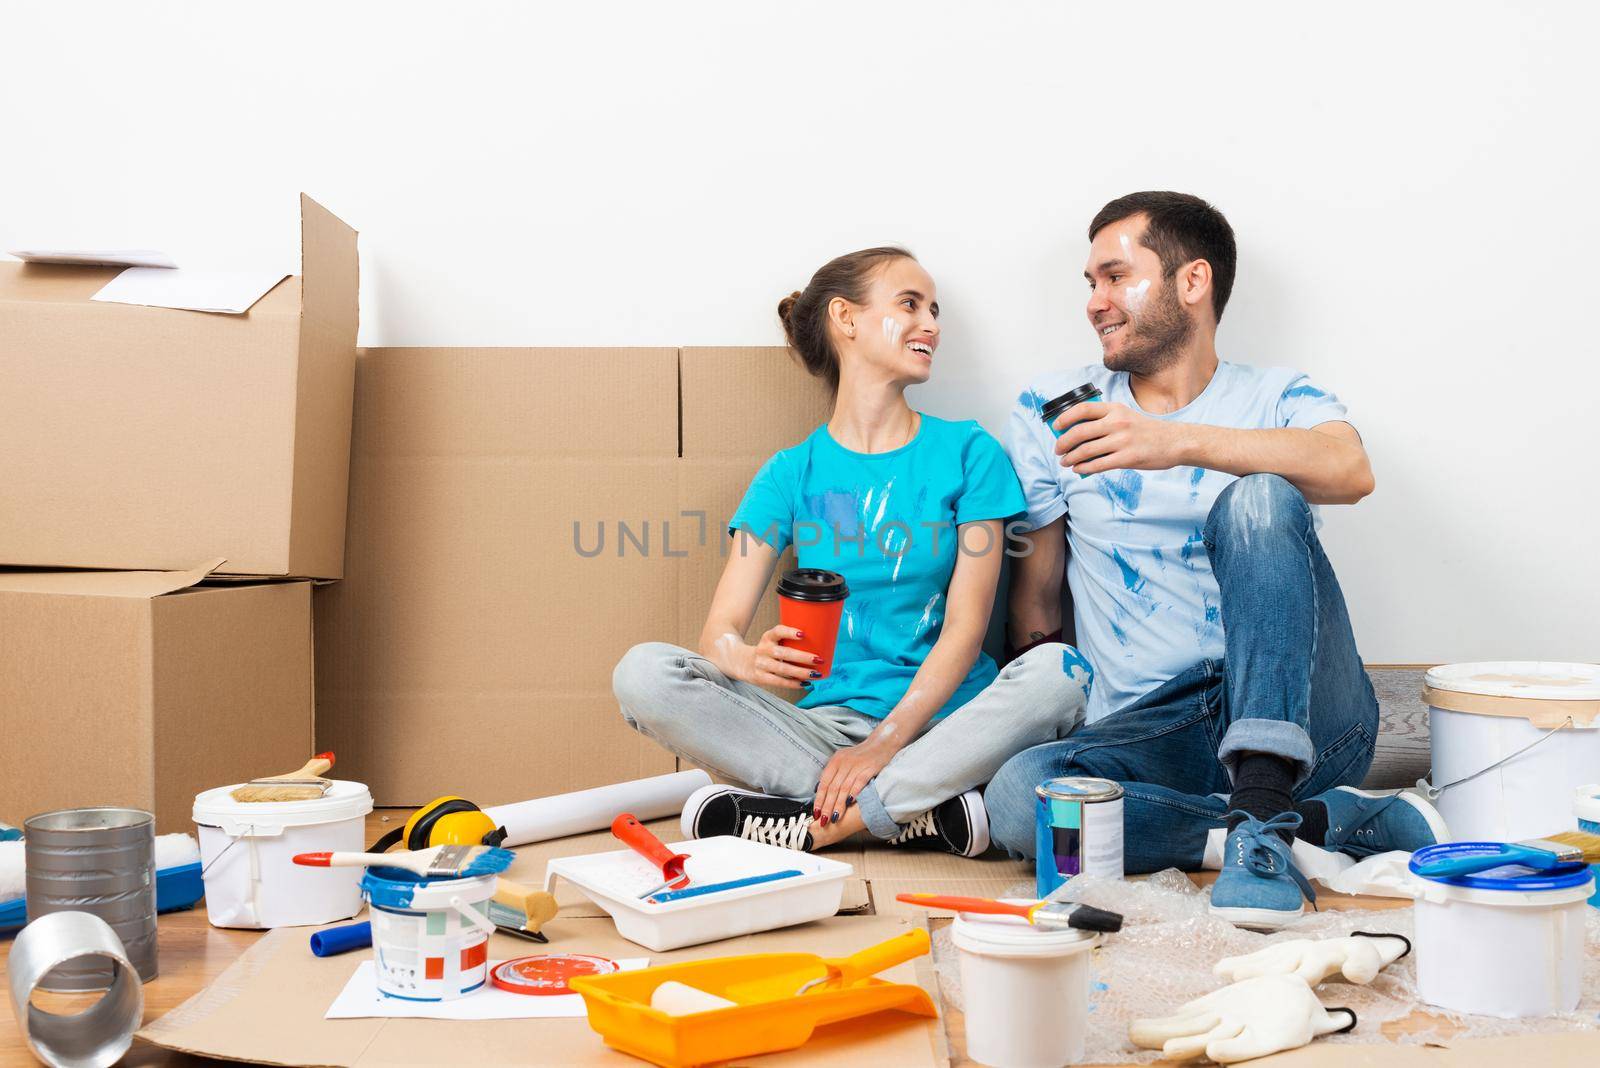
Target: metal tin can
(1077,830)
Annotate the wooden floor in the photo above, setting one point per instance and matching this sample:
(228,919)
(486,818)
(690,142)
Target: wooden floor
(193,953)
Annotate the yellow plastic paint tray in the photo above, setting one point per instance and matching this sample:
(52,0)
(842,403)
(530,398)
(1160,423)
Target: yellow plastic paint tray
(770,1015)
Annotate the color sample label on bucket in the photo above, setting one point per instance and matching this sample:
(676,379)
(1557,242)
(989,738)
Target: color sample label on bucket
(1077,830)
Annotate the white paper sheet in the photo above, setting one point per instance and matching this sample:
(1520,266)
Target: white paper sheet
(122,257)
(590,810)
(360,998)
(191,289)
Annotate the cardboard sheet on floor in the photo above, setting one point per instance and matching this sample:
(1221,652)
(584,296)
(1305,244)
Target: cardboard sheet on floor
(268,1008)
(360,999)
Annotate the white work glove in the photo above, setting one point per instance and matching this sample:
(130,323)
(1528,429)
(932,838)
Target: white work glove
(1359,958)
(1268,1014)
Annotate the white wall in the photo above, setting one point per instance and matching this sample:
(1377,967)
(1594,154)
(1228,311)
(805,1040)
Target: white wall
(1411,185)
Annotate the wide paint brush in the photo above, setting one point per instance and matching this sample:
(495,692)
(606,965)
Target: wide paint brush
(1045,915)
(440,862)
(1540,854)
(306,784)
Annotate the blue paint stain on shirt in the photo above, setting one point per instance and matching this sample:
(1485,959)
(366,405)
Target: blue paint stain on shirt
(1120,634)
(1131,579)
(1123,489)
(838,510)
(1193,543)
(1194,482)
(1155,551)
(1032,400)
(1073,661)
(1304,391)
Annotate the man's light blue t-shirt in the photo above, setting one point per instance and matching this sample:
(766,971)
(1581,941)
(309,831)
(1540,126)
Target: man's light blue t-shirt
(1145,603)
(887,522)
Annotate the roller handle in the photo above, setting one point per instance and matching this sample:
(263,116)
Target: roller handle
(336,940)
(639,838)
(874,959)
(981,905)
(1450,867)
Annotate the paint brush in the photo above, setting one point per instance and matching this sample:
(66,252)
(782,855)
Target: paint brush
(305,784)
(1540,854)
(440,862)
(1045,915)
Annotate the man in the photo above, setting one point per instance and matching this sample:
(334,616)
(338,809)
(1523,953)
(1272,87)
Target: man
(1228,697)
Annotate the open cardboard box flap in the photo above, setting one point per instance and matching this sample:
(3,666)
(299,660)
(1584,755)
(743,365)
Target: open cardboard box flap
(268,1007)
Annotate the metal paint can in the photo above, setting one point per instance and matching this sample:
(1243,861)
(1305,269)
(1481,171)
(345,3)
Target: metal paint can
(1077,830)
(100,861)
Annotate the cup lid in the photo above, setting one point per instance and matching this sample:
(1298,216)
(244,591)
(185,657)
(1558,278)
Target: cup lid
(1056,405)
(813,584)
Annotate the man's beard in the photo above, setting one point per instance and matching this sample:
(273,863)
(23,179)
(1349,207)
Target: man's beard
(1160,330)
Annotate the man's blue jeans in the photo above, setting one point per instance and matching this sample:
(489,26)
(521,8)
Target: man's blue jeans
(1291,684)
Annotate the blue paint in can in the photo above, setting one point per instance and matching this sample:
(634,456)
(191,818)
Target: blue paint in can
(1077,830)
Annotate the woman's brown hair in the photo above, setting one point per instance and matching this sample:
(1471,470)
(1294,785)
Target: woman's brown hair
(804,313)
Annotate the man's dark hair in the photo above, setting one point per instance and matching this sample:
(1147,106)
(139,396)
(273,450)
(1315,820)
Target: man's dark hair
(1180,228)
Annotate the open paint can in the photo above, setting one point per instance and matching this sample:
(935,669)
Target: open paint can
(1508,942)
(1025,991)
(430,937)
(1511,742)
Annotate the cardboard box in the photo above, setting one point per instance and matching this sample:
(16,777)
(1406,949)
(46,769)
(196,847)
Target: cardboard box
(147,438)
(143,688)
(518,519)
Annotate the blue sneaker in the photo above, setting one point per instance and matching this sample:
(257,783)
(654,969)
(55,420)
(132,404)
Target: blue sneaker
(1364,824)
(1260,888)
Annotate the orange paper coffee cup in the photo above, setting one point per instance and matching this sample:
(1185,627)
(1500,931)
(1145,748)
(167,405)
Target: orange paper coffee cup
(811,601)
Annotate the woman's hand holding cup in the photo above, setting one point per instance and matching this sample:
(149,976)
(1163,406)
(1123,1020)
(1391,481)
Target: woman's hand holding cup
(768,663)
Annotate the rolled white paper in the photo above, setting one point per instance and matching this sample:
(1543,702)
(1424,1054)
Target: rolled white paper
(591,810)
(680,999)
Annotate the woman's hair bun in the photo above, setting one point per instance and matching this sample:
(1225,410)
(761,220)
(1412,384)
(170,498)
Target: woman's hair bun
(786,305)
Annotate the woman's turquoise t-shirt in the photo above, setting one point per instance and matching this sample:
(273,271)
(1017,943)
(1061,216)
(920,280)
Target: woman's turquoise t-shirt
(887,522)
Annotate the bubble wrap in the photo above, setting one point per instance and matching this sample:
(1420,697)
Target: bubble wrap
(1168,944)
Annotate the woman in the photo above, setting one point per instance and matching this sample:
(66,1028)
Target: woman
(909,509)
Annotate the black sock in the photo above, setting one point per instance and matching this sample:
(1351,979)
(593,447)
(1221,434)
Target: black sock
(1313,822)
(1261,788)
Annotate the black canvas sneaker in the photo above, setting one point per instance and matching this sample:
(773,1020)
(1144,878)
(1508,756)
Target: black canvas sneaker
(959,825)
(717,810)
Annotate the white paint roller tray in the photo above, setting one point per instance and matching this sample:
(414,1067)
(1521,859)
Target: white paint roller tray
(615,880)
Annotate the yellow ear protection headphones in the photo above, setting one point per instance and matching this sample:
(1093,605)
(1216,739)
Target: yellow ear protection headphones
(444,821)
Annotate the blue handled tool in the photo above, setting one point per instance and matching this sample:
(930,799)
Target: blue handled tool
(336,940)
(732,884)
(1540,854)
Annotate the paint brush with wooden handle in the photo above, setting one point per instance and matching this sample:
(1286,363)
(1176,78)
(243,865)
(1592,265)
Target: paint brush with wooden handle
(439,862)
(307,784)
(1045,915)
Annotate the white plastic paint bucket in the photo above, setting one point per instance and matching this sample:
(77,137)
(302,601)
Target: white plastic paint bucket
(1511,741)
(1586,806)
(1025,991)
(246,851)
(430,937)
(1507,942)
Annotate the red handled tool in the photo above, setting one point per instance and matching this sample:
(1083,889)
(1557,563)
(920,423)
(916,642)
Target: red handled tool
(639,838)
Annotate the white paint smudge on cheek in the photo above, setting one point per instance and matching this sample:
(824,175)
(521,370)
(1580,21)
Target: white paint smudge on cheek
(892,329)
(1133,297)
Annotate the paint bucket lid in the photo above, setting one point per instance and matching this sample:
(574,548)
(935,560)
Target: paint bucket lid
(1507,877)
(1545,692)
(548,973)
(399,888)
(266,819)
(1586,803)
(1013,936)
